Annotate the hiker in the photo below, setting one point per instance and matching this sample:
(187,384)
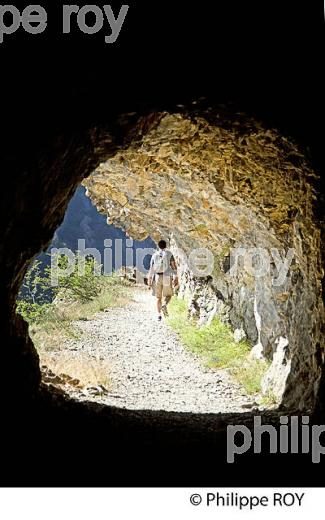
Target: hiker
(162,277)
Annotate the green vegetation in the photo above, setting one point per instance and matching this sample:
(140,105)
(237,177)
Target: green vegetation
(215,344)
(269,400)
(79,292)
(80,283)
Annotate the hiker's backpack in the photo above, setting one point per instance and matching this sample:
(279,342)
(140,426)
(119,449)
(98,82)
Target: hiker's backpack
(161,262)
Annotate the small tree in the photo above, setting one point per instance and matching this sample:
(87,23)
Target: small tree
(82,283)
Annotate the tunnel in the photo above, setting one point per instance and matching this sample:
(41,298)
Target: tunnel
(204,176)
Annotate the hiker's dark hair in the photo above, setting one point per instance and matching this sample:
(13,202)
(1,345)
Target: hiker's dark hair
(162,244)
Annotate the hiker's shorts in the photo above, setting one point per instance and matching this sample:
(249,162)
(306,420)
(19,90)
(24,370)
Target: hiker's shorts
(162,286)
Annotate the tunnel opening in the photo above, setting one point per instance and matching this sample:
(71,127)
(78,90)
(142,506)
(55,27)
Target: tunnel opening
(211,178)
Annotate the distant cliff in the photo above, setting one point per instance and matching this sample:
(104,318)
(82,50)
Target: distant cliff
(82,221)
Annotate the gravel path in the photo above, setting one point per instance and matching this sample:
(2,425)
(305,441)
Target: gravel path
(150,369)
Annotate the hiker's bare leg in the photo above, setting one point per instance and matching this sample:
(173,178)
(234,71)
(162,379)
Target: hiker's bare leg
(167,300)
(159,305)
(164,307)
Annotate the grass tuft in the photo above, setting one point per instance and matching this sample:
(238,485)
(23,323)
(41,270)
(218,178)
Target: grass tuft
(215,344)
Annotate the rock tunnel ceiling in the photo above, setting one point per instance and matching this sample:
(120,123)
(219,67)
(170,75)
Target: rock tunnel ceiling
(223,182)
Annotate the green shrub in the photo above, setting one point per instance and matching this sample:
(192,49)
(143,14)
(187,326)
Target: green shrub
(32,312)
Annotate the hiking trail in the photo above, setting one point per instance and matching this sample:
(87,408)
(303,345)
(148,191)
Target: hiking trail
(149,367)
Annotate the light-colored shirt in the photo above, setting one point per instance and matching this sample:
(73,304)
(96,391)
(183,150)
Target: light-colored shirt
(161,263)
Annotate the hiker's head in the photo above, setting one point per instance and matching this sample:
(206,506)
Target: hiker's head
(162,244)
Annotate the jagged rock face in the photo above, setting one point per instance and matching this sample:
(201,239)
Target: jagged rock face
(208,179)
